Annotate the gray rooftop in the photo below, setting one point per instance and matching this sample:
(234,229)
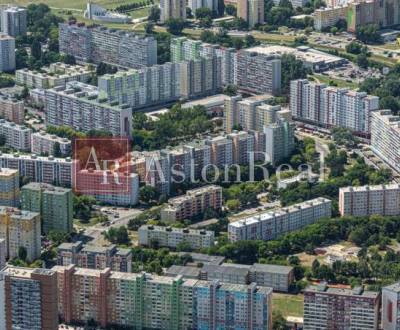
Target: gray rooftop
(277,269)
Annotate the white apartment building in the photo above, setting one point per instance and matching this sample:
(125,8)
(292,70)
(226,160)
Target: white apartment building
(13,20)
(7,53)
(271,224)
(368,200)
(16,136)
(326,17)
(57,74)
(172,9)
(20,228)
(331,106)
(44,143)
(80,107)
(171,237)
(385,137)
(57,171)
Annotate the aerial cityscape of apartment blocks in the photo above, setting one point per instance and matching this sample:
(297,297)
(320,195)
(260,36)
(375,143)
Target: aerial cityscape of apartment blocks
(385,137)
(123,191)
(143,87)
(53,203)
(98,44)
(12,109)
(335,308)
(51,170)
(9,187)
(13,20)
(160,302)
(43,143)
(7,53)
(369,200)
(277,277)
(20,229)
(170,9)
(390,316)
(94,257)
(258,72)
(150,235)
(252,11)
(332,106)
(184,49)
(80,107)
(195,202)
(29,298)
(57,74)
(269,225)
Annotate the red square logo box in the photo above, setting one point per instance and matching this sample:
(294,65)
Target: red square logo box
(101,165)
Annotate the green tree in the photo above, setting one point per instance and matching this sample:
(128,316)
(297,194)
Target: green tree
(148,194)
(291,69)
(204,12)
(57,150)
(36,49)
(22,253)
(175,25)
(368,33)
(69,59)
(230,10)
(221,8)
(362,61)
(154,14)
(149,28)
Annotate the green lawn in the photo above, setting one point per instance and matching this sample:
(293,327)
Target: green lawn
(288,305)
(71,4)
(340,82)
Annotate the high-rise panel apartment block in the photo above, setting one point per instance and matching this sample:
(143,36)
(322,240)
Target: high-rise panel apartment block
(172,9)
(7,53)
(3,252)
(9,187)
(98,44)
(150,235)
(184,49)
(385,137)
(258,72)
(53,203)
(160,302)
(369,200)
(272,224)
(57,171)
(16,136)
(13,20)
(335,308)
(252,11)
(195,202)
(94,257)
(200,77)
(20,229)
(144,87)
(80,107)
(331,106)
(57,74)
(28,299)
(12,109)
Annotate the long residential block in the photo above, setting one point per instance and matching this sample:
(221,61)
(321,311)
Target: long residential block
(271,224)
(150,235)
(368,200)
(98,44)
(331,106)
(195,202)
(49,144)
(16,136)
(80,107)
(159,302)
